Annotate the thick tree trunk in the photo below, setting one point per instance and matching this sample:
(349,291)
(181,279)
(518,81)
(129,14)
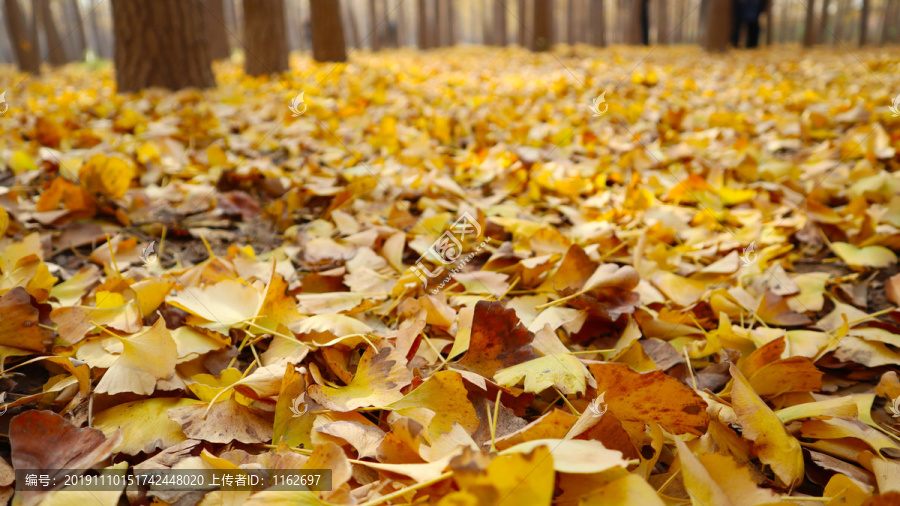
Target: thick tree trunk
(542,25)
(374,39)
(161,43)
(266,49)
(327,31)
(718,29)
(23,38)
(662,22)
(864,23)
(56,52)
(598,23)
(216,33)
(809,29)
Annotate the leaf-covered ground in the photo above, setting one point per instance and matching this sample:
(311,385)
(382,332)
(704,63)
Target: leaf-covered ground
(688,298)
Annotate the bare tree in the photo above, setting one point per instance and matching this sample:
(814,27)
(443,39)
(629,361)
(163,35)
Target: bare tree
(327,31)
(23,38)
(349,20)
(266,45)
(886,25)
(216,33)
(144,59)
(635,27)
(718,30)
(822,32)
(500,23)
(839,20)
(542,25)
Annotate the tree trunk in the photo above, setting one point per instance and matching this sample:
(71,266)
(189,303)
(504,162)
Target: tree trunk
(718,29)
(161,43)
(523,22)
(864,23)
(56,53)
(542,25)
(73,15)
(352,27)
(374,40)
(678,36)
(500,23)
(327,31)
(886,24)
(570,22)
(266,49)
(444,18)
(422,24)
(634,30)
(822,34)
(662,22)
(839,21)
(809,29)
(402,28)
(598,23)
(216,34)
(23,38)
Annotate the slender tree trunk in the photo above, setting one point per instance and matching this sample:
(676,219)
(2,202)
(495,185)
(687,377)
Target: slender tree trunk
(500,23)
(351,25)
(56,51)
(422,24)
(23,38)
(542,25)
(839,21)
(75,23)
(144,59)
(864,23)
(6,51)
(822,34)
(809,29)
(233,22)
(598,23)
(449,14)
(374,41)
(662,22)
(327,31)
(886,23)
(570,22)
(521,29)
(770,27)
(216,32)
(266,46)
(718,30)
(402,28)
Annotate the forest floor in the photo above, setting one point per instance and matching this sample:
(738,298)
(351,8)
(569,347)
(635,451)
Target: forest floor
(469,276)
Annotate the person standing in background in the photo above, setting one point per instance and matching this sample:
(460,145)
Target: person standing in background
(746,13)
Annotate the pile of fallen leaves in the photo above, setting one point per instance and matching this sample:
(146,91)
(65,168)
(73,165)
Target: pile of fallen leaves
(690,297)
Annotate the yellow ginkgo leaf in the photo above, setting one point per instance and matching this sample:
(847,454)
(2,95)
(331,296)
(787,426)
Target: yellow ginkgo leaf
(775,446)
(225,305)
(377,382)
(577,456)
(869,256)
(145,426)
(563,371)
(138,362)
(439,403)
